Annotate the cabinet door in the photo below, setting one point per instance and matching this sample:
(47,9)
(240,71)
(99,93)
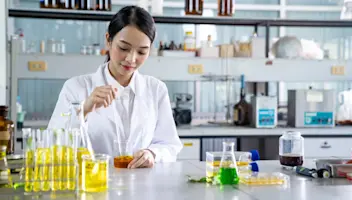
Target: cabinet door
(190,150)
(327,147)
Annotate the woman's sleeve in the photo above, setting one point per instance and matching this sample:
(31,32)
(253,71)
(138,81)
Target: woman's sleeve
(166,143)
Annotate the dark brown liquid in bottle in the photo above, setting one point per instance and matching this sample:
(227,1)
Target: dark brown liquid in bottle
(291,160)
(241,109)
(54,3)
(65,4)
(225,7)
(44,4)
(6,131)
(194,7)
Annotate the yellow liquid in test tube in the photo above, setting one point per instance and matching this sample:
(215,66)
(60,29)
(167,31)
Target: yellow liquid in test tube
(28,186)
(71,169)
(80,152)
(57,153)
(95,180)
(41,170)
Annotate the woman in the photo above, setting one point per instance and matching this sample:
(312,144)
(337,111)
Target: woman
(118,101)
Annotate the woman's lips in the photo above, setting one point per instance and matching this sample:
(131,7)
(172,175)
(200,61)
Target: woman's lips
(128,68)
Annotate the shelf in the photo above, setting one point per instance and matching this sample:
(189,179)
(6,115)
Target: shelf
(106,16)
(176,69)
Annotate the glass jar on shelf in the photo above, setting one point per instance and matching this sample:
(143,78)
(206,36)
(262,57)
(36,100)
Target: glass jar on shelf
(291,149)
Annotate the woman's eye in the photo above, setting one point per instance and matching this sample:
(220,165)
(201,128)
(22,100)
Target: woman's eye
(142,53)
(123,49)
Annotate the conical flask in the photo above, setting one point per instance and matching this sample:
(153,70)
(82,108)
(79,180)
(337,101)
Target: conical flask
(228,172)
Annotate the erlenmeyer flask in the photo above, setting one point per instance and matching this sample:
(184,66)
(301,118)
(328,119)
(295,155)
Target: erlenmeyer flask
(228,173)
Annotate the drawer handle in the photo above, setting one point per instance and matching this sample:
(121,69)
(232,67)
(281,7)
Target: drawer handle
(188,144)
(325,146)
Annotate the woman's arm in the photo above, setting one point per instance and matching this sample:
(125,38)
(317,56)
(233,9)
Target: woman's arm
(166,143)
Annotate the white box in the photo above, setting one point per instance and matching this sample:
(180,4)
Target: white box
(264,111)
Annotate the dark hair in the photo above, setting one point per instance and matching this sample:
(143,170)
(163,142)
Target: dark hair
(131,15)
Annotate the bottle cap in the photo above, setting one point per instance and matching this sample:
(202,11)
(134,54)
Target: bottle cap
(255,155)
(254,167)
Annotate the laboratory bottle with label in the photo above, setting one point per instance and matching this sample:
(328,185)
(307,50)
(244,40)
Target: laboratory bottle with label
(241,109)
(291,149)
(225,7)
(6,131)
(194,7)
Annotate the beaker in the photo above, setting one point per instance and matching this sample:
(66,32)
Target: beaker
(228,173)
(95,173)
(123,154)
(29,148)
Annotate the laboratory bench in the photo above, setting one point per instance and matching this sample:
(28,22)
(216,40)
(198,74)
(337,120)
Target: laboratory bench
(318,142)
(169,181)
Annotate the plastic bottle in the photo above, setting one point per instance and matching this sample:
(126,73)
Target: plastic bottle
(18,105)
(189,42)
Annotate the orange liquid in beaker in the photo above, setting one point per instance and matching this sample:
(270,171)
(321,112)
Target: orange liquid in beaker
(122,161)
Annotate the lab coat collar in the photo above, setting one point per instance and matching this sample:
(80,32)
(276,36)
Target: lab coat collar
(111,81)
(137,83)
(139,115)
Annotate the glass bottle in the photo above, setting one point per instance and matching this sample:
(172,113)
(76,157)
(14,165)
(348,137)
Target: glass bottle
(65,4)
(44,3)
(225,7)
(5,174)
(228,172)
(194,7)
(83,4)
(6,131)
(53,3)
(291,149)
(242,108)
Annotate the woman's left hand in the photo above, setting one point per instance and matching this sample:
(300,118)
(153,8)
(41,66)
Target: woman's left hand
(142,158)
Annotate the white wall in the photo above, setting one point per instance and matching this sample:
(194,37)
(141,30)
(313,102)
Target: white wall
(3,57)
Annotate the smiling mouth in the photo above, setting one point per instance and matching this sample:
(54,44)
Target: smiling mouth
(128,68)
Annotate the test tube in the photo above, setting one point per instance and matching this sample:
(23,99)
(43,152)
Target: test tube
(58,152)
(42,161)
(29,148)
(72,143)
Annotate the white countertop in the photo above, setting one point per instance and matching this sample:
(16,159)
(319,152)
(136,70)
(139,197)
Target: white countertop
(208,131)
(169,181)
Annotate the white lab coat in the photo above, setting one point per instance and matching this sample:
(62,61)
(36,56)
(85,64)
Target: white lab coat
(151,120)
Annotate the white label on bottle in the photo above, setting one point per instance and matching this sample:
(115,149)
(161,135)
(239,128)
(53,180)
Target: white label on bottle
(4,135)
(314,97)
(101,4)
(292,147)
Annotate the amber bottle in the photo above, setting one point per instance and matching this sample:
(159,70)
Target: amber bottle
(194,7)
(241,109)
(225,7)
(7,136)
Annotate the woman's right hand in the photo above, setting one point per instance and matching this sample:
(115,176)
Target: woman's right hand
(101,96)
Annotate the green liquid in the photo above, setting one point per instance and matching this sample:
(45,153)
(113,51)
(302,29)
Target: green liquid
(228,176)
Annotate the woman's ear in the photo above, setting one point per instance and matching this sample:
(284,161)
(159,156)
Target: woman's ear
(107,40)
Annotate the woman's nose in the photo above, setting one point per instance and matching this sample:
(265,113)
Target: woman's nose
(131,57)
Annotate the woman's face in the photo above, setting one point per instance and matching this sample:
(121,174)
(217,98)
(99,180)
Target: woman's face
(128,50)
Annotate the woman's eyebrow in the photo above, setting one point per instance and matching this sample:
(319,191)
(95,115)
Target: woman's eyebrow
(143,47)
